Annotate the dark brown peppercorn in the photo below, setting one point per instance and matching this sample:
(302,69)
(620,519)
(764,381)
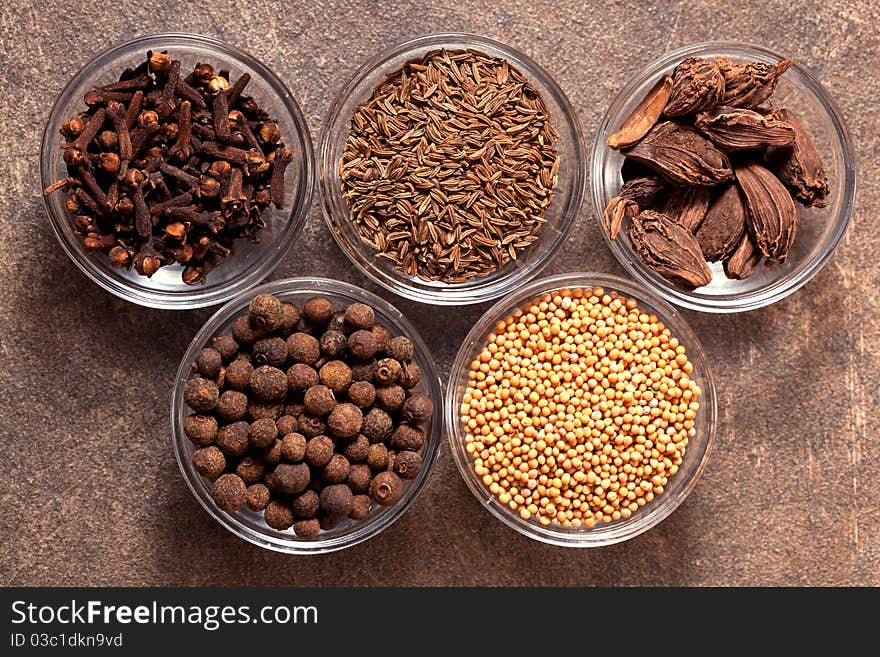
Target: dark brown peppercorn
(382,336)
(272,455)
(364,371)
(390,398)
(301,377)
(244,333)
(362,345)
(307,529)
(377,425)
(319,400)
(311,426)
(258,410)
(291,478)
(200,429)
(318,310)
(410,375)
(262,433)
(377,457)
(336,375)
(293,447)
(278,515)
(359,316)
(361,505)
(407,437)
(238,375)
(286,424)
(258,497)
(251,470)
(400,349)
(303,348)
(334,344)
(319,451)
(336,500)
(233,439)
(232,406)
(229,492)
(265,312)
(209,462)
(208,363)
(407,464)
(270,351)
(386,488)
(355,450)
(294,409)
(226,346)
(345,420)
(306,505)
(289,318)
(388,371)
(417,408)
(362,393)
(201,394)
(337,470)
(359,476)
(268,383)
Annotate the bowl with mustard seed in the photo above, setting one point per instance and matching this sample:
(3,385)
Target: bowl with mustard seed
(451,168)
(581,410)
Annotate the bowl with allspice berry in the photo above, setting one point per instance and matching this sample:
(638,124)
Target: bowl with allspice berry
(177,171)
(723,176)
(451,168)
(581,410)
(304,415)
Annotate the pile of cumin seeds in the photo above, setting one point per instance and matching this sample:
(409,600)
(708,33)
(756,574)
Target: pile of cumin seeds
(449,168)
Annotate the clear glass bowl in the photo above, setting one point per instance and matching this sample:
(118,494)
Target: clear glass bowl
(251,263)
(819,229)
(680,484)
(251,526)
(560,215)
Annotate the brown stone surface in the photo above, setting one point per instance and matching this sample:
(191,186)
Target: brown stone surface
(91,494)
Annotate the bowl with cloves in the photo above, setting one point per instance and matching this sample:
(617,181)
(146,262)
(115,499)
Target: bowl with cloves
(723,176)
(177,171)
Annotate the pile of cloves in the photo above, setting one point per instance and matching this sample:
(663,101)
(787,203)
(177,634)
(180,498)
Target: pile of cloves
(165,168)
(712,171)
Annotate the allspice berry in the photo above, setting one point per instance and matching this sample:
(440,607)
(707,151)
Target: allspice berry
(359,476)
(377,457)
(303,348)
(278,515)
(201,394)
(328,522)
(388,371)
(250,470)
(408,437)
(233,439)
(345,420)
(364,371)
(311,425)
(336,323)
(390,398)
(319,400)
(200,429)
(232,406)
(301,377)
(268,383)
(262,433)
(359,316)
(229,492)
(361,505)
(270,351)
(336,500)
(417,408)
(362,345)
(362,394)
(264,410)
(208,363)
(258,497)
(400,348)
(318,310)
(209,462)
(272,454)
(382,336)
(291,478)
(319,451)
(337,470)
(289,318)
(410,375)
(336,375)
(238,375)
(307,529)
(386,488)
(265,312)
(407,464)
(245,333)
(355,450)
(377,425)
(333,344)
(306,505)
(293,447)
(226,346)
(286,424)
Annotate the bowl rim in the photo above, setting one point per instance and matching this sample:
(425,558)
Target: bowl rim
(476,290)
(430,380)
(198,297)
(783,286)
(602,534)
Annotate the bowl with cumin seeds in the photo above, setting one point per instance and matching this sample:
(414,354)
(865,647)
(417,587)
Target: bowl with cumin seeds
(451,168)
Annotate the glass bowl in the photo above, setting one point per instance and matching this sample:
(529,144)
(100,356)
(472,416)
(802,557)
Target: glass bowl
(819,230)
(251,526)
(679,485)
(559,216)
(251,263)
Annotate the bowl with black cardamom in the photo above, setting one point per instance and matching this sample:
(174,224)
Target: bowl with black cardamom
(451,168)
(176,195)
(787,208)
(299,431)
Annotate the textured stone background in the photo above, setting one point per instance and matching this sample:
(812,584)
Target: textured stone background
(91,494)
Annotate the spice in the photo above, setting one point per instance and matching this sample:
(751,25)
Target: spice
(644,116)
(726,171)
(164,168)
(229,492)
(209,462)
(450,166)
(596,422)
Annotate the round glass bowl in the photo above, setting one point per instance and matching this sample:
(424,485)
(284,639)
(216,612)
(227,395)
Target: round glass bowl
(250,263)
(819,230)
(251,526)
(559,217)
(679,485)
